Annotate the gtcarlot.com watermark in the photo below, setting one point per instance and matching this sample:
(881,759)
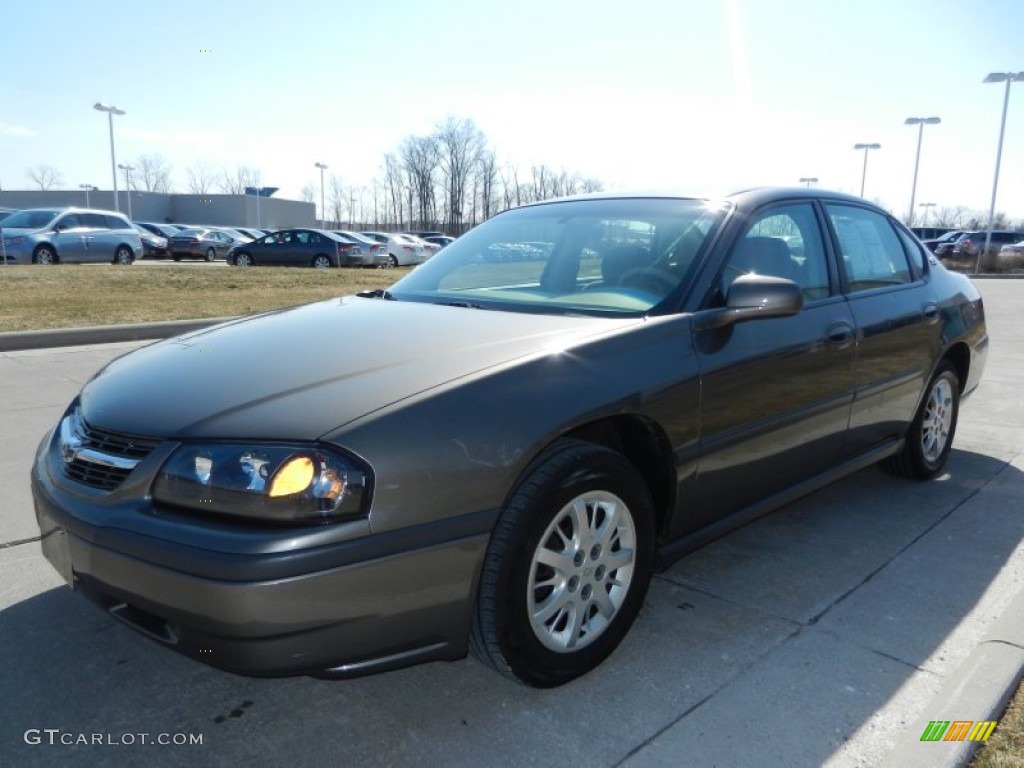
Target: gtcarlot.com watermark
(56,736)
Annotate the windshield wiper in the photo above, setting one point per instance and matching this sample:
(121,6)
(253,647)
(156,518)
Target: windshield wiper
(380,293)
(466,304)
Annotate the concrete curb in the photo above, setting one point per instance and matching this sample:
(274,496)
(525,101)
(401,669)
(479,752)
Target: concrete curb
(101,334)
(979,689)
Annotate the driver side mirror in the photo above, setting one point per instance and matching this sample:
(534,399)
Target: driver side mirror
(751,297)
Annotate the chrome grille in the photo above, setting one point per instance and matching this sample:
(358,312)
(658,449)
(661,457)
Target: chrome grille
(100,458)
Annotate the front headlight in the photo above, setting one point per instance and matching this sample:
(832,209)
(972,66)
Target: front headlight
(282,483)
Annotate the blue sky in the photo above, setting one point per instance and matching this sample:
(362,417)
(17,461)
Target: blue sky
(698,95)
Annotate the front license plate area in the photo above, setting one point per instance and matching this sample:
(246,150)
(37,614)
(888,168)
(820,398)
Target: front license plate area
(57,550)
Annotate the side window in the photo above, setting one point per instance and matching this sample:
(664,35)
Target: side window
(869,250)
(300,237)
(94,220)
(71,221)
(915,253)
(314,238)
(267,240)
(784,241)
(115,222)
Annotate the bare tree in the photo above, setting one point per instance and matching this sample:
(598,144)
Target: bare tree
(419,160)
(235,182)
(336,198)
(392,188)
(46,176)
(308,192)
(459,144)
(200,178)
(154,173)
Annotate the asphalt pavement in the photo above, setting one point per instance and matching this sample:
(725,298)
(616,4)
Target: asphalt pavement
(830,632)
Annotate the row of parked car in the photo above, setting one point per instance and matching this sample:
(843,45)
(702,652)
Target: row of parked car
(1007,246)
(56,235)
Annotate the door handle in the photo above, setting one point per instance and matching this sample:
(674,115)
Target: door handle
(840,335)
(931,314)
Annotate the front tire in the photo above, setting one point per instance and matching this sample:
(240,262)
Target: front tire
(392,261)
(242,259)
(567,567)
(930,437)
(45,254)
(211,254)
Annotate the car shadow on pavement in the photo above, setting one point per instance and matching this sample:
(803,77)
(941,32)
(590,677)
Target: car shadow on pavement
(771,646)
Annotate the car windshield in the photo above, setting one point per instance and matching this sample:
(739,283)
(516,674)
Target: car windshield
(34,219)
(602,256)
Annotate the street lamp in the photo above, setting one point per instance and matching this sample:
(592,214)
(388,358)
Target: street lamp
(997,77)
(864,173)
(920,122)
(127,185)
(323,210)
(111,110)
(808,180)
(88,188)
(926,206)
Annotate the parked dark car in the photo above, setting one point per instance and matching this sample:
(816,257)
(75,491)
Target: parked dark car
(943,245)
(5,212)
(298,248)
(153,246)
(374,254)
(69,235)
(497,455)
(971,243)
(166,231)
(201,243)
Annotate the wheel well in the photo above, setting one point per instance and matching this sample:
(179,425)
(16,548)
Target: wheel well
(646,446)
(960,356)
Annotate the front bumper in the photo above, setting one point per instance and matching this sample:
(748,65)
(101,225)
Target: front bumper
(346,609)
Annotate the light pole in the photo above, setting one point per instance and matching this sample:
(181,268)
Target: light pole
(926,206)
(997,77)
(323,210)
(808,180)
(920,122)
(864,173)
(111,110)
(127,185)
(88,188)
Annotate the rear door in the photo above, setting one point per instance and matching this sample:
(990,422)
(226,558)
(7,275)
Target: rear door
(896,319)
(775,392)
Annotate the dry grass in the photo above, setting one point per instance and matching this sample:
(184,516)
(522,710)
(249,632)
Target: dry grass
(69,296)
(1005,749)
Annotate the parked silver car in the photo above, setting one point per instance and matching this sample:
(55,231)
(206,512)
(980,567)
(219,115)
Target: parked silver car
(67,235)
(402,250)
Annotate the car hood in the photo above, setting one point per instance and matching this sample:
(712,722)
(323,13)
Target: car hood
(302,372)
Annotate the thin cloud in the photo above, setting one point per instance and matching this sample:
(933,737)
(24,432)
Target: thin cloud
(18,131)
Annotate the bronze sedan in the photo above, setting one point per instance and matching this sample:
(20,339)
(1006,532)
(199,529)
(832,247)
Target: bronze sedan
(495,455)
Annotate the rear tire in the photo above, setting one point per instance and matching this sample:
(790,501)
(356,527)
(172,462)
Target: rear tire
(321,262)
(930,436)
(567,567)
(123,255)
(392,261)
(211,254)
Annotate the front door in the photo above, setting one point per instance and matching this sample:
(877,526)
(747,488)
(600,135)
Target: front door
(775,393)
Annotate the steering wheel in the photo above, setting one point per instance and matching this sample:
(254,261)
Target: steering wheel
(655,280)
